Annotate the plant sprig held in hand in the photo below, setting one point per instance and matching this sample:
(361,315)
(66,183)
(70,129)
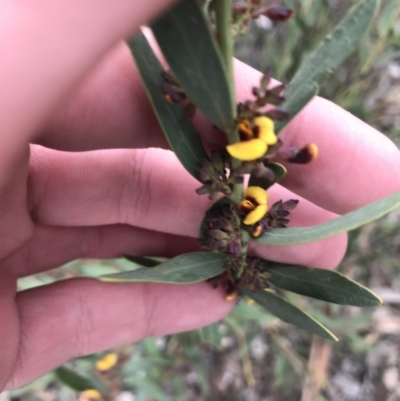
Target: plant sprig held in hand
(196,39)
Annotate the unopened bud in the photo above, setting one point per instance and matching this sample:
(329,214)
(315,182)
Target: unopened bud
(168,77)
(278,89)
(245,168)
(282,213)
(276,13)
(238,9)
(266,78)
(290,204)
(277,114)
(231,296)
(203,190)
(287,153)
(256,92)
(246,206)
(258,230)
(305,155)
(281,222)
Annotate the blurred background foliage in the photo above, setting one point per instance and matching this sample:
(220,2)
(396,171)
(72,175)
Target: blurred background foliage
(251,356)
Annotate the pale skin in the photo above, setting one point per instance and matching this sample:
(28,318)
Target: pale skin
(68,84)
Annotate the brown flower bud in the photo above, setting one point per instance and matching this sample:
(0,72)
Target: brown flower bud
(277,114)
(238,9)
(290,204)
(275,13)
(258,230)
(305,155)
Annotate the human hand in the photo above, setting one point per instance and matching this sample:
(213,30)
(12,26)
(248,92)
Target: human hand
(84,192)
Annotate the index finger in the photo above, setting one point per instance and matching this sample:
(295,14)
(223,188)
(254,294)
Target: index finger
(356,164)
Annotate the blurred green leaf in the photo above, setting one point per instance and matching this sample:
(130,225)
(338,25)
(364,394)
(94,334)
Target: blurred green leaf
(191,51)
(288,312)
(279,171)
(349,221)
(283,371)
(149,388)
(327,285)
(76,380)
(184,269)
(142,260)
(328,55)
(181,136)
(211,335)
(252,311)
(387,17)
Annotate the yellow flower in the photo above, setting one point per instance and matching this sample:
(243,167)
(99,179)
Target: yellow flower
(255,204)
(254,140)
(89,395)
(107,362)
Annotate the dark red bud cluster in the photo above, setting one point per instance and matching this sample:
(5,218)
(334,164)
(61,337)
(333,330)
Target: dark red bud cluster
(276,13)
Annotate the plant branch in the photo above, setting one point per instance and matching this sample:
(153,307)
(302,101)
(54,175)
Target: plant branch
(223,13)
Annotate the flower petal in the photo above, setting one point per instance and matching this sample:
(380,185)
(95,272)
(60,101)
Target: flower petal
(245,130)
(248,150)
(256,215)
(258,194)
(266,133)
(107,362)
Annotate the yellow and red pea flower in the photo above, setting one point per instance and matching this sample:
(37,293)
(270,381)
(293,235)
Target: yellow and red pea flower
(255,205)
(254,140)
(107,362)
(90,395)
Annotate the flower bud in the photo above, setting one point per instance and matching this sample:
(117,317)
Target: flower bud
(276,13)
(305,155)
(277,114)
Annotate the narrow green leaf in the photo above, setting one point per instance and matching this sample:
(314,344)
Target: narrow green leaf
(210,334)
(347,222)
(327,285)
(245,311)
(288,312)
(387,17)
(327,56)
(279,171)
(181,136)
(184,269)
(75,380)
(191,51)
(142,260)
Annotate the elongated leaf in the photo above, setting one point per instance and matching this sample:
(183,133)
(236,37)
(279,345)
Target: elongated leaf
(142,260)
(75,380)
(279,171)
(191,51)
(184,269)
(321,284)
(387,17)
(347,222)
(181,136)
(211,335)
(327,56)
(288,312)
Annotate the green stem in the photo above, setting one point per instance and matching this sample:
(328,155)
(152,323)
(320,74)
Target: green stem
(245,246)
(223,14)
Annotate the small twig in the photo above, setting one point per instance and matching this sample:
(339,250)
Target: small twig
(318,364)
(223,19)
(295,359)
(244,353)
